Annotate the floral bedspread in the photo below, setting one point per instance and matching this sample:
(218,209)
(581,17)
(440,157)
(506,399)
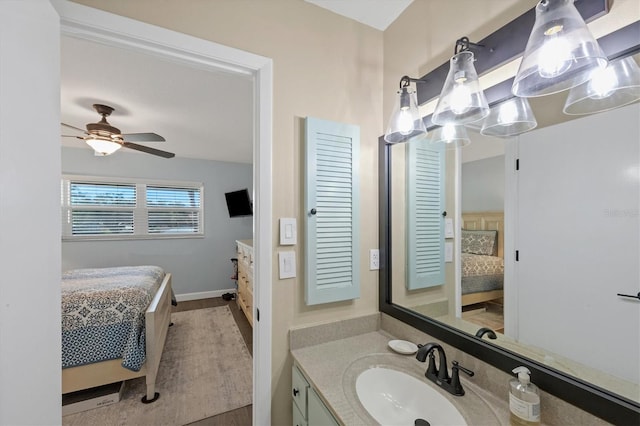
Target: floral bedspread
(103,314)
(481,273)
(475,264)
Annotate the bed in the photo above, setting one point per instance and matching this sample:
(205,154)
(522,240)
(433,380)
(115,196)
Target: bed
(482,246)
(114,326)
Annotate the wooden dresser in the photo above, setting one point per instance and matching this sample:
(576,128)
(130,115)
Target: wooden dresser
(244,297)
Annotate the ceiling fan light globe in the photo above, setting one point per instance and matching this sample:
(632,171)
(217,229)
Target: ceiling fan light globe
(102,146)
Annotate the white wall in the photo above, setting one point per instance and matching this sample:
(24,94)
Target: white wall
(29,214)
(482,185)
(578,227)
(197,264)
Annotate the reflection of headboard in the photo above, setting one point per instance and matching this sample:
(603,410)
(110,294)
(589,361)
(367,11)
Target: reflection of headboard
(486,221)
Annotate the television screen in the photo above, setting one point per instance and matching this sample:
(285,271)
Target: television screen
(239,203)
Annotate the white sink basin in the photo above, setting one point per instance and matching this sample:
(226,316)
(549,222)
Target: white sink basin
(395,398)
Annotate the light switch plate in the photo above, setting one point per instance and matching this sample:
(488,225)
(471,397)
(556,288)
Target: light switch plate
(448,228)
(448,251)
(288,232)
(287,264)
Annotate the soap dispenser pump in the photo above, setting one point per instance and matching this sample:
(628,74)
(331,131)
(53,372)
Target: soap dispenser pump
(524,399)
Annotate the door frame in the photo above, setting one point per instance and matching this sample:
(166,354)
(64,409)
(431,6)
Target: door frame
(102,27)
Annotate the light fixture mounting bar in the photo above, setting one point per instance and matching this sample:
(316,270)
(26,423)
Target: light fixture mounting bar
(406,80)
(463,44)
(506,44)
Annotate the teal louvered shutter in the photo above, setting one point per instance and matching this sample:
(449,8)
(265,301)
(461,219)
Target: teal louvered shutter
(425,223)
(332,267)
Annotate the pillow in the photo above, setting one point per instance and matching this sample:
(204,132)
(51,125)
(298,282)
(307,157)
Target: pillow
(479,242)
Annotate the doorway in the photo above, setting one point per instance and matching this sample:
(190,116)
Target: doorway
(80,22)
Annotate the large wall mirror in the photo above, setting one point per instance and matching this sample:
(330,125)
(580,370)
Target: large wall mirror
(569,209)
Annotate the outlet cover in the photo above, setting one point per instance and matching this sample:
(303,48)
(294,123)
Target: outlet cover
(374,259)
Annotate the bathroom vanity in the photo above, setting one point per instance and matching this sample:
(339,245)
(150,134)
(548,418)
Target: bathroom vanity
(329,358)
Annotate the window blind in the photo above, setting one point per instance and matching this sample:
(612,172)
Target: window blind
(96,207)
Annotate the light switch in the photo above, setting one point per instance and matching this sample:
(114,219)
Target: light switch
(448,251)
(287,264)
(288,233)
(448,228)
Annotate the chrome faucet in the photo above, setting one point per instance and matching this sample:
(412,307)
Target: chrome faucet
(440,375)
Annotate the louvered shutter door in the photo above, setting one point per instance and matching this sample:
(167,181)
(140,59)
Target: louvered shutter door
(425,223)
(332,270)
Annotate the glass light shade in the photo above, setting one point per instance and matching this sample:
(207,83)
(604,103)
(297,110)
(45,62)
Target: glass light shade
(461,100)
(509,118)
(614,86)
(560,53)
(405,122)
(449,136)
(103,146)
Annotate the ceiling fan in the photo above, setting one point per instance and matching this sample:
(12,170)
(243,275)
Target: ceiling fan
(106,139)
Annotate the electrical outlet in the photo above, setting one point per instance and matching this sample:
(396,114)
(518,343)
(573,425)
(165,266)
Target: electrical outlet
(374,259)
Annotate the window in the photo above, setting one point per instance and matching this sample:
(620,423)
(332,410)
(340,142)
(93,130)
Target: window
(112,208)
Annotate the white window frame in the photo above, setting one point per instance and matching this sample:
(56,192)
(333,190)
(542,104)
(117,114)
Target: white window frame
(140,211)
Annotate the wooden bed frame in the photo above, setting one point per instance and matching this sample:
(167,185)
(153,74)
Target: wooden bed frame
(157,320)
(485,221)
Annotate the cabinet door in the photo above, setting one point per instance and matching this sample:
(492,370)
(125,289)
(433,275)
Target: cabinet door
(425,223)
(318,415)
(332,251)
(298,418)
(299,387)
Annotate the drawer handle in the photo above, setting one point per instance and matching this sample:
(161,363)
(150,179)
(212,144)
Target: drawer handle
(295,391)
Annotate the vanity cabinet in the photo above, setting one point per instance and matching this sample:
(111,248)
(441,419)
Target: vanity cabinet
(308,408)
(244,298)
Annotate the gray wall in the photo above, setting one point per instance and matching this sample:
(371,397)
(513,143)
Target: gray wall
(483,185)
(197,264)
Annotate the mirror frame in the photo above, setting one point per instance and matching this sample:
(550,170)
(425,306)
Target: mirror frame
(587,396)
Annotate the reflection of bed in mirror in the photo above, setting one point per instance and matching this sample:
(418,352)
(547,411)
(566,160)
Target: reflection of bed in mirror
(482,247)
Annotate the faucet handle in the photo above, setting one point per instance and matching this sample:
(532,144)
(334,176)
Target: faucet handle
(456,386)
(458,366)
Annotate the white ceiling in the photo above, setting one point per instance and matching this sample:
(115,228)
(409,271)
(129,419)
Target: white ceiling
(378,14)
(201,114)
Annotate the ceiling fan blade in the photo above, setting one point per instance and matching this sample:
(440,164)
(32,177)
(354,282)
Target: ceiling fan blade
(148,150)
(73,127)
(72,136)
(142,137)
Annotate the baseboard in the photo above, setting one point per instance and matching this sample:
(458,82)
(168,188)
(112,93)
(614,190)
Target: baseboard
(203,294)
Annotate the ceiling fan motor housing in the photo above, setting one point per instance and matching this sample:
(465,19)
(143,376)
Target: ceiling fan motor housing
(103,128)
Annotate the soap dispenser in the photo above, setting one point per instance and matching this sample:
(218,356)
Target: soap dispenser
(524,399)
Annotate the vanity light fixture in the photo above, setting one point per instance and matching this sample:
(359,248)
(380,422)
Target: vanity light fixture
(509,118)
(561,53)
(103,146)
(405,122)
(461,100)
(614,86)
(449,136)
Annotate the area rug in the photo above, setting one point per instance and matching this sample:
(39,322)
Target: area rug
(206,369)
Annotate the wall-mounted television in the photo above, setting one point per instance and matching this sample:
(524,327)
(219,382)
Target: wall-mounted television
(239,203)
